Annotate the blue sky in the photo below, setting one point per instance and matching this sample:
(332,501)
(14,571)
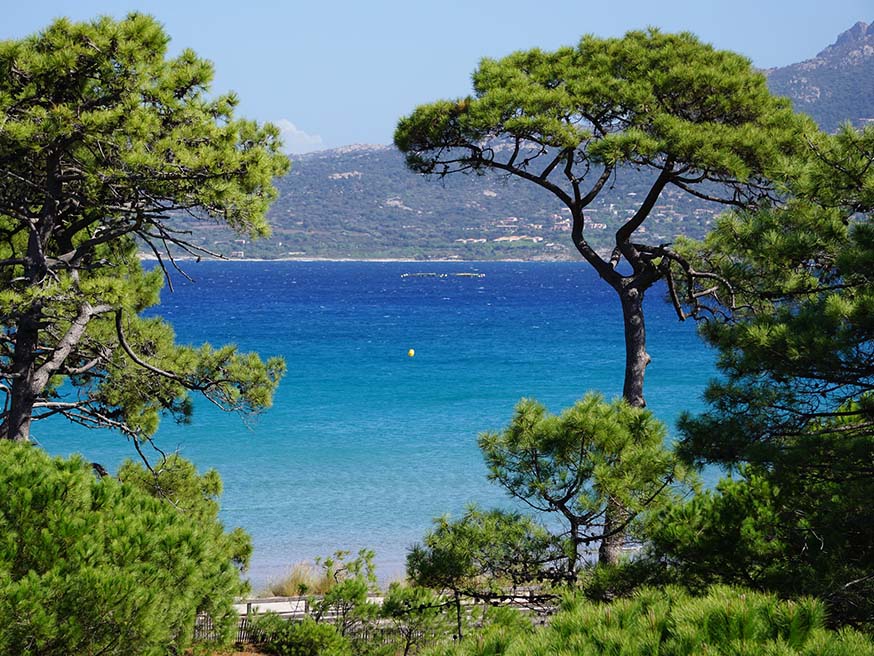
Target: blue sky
(332,73)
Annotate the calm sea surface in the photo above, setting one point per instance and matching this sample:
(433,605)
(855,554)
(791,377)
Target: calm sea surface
(365,445)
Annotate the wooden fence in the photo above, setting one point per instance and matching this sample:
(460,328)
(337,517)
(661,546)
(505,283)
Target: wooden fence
(295,609)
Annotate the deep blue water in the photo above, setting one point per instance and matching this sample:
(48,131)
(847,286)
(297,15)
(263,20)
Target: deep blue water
(365,445)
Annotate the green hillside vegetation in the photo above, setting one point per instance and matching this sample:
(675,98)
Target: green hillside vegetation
(361,202)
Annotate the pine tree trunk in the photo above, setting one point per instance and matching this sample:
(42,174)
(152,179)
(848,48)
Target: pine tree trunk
(458,615)
(636,357)
(22,395)
(636,360)
(574,555)
(25,387)
(611,545)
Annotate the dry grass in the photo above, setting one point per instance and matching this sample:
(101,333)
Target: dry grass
(303,579)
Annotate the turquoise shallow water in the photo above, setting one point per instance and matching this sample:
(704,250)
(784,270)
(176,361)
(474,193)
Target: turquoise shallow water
(365,445)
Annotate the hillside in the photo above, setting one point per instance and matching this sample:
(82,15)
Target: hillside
(361,202)
(835,86)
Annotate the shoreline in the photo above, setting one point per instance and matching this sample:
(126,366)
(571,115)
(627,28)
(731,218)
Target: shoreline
(147,257)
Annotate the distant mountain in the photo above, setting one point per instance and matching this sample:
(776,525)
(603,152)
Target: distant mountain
(835,86)
(361,202)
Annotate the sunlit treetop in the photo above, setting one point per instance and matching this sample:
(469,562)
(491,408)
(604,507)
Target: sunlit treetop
(694,117)
(105,143)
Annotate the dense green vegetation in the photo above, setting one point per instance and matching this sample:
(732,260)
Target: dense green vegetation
(669,622)
(306,638)
(658,621)
(104,141)
(94,565)
(794,407)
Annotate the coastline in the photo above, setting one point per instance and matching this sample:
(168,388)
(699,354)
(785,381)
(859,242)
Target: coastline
(148,257)
(357,410)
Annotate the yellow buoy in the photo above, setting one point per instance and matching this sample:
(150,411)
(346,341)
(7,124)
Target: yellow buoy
(411,352)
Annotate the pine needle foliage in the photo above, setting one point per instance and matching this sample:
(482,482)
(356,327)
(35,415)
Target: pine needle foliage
(577,466)
(670,622)
(105,142)
(93,565)
(794,408)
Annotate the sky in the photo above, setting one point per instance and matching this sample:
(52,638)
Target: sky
(331,73)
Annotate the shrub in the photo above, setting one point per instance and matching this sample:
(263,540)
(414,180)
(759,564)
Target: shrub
(349,581)
(602,582)
(670,622)
(92,565)
(416,614)
(502,626)
(306,638)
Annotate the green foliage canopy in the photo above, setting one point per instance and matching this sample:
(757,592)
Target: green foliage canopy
(786,529)
(482,552)
(797,342)
(593,457)
(93,565)
(571,121)
(104,141)
(416,613)
(486,554)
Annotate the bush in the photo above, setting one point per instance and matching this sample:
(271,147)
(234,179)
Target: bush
(793,529)
(97,566)
(417,615)
(602,582)
(502,626)
(670,622)
(349,581)
(306,638)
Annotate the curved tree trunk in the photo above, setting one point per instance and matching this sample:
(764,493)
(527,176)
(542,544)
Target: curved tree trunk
(25,386)
(32,371)
(631,292)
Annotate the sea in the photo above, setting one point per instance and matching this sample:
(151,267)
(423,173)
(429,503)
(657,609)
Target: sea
(394,368)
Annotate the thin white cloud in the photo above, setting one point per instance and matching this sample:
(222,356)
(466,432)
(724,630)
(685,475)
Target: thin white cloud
(295,141)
